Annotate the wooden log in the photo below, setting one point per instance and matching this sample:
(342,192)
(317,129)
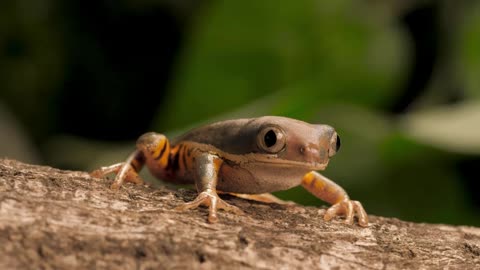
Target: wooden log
(54,219)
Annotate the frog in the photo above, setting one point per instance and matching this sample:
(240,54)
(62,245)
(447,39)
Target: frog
(249,158)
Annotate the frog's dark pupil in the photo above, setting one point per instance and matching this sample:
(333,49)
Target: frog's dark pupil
(270,138)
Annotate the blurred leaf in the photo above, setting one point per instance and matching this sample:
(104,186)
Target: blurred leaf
(452,128)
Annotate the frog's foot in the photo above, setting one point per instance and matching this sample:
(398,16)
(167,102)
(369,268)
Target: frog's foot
(210,198)
(124,172)
(348,208)
(264,197)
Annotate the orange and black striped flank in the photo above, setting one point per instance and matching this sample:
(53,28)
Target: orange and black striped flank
(138,161)
(161,152)
(184,157)
(173,163)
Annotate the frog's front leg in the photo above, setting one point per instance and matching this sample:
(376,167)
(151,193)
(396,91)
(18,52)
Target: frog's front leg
(328,191)
(206,176)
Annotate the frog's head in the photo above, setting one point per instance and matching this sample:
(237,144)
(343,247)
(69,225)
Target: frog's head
(296,143)
(278,141)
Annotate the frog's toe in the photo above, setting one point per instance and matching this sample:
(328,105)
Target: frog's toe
(104,171)
(133,177)
(332,212)
(349,209)
(97,173)
(228,207)
(129,175)
(202,198)
(361,214)
(124,172)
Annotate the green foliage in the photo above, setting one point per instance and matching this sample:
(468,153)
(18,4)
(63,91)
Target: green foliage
(470,52)
(307,53)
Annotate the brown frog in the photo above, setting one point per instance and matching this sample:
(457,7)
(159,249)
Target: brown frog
(246,157)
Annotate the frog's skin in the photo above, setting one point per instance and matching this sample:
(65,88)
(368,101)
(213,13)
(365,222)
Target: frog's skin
(246,157)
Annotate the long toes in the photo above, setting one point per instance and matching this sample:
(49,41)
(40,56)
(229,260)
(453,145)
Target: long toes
(363,221)
(133,177)
(349,209)
(99,173)
(115,186)
(213,202)
(96,174)
(104,171)
(212,217)
(361,214)
(117,183)
(349,213)
(201,199)
(212,210)
(230,208)
(332,212)
(189,205)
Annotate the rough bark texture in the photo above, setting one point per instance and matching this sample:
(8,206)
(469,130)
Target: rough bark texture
(54,219)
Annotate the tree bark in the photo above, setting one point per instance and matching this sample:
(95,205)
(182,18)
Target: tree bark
(54,219)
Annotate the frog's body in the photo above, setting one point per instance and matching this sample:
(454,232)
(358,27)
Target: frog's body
(246,156)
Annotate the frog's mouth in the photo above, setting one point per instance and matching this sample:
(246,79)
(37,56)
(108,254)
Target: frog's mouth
(275,161)
(314,166)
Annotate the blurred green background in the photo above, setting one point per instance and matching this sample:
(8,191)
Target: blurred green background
(399,80)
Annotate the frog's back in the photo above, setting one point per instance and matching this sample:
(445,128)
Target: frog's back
(230,136)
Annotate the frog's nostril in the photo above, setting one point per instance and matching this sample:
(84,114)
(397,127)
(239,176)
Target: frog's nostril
(338,144)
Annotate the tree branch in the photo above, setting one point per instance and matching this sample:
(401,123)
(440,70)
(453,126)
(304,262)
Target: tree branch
(54,219)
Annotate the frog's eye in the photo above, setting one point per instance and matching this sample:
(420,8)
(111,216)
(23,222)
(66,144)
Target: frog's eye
(271,139)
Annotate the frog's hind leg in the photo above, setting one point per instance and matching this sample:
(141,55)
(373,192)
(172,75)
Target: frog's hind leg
(264,197)
(125,171)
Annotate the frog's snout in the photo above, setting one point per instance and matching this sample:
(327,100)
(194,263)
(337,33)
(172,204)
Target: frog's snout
(334,145)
